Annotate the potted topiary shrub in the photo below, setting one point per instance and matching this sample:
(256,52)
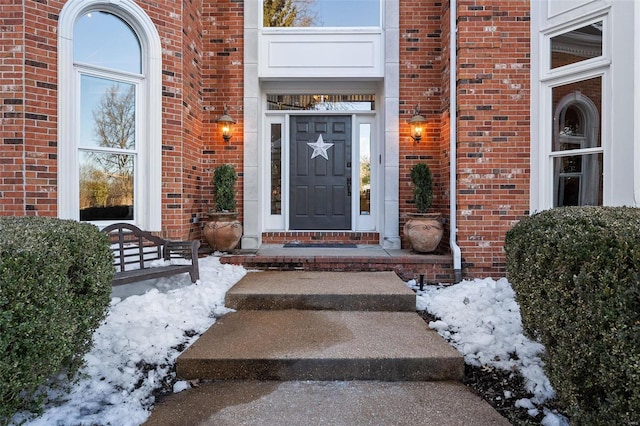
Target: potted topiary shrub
(223,230)
(423,229)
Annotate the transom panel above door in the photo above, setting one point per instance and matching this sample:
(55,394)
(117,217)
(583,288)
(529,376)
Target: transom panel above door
(320,173)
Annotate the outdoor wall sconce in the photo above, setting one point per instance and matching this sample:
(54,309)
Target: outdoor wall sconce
(227,124)
(417,124)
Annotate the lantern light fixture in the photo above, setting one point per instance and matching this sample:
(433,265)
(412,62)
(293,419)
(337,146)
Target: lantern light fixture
(226,122)
(417,124)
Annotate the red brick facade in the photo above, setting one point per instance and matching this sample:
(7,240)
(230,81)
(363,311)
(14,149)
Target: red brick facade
(492,118)
(421,84)
(202,70)
(29,109)
(222,83)
(493,128)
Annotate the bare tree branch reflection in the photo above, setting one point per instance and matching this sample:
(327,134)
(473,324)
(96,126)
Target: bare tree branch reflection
(289,13)
(106,178)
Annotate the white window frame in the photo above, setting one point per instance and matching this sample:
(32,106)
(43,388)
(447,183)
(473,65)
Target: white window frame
(547,128)
(148,173)
(365,222)
(586,150)
(275,222)
(542,108)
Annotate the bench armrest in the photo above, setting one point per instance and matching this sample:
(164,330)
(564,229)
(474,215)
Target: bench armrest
(186,250)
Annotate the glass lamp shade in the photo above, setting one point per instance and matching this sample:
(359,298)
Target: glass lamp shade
(417,124)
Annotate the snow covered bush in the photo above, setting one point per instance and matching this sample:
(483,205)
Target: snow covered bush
(54,292)
(576,274)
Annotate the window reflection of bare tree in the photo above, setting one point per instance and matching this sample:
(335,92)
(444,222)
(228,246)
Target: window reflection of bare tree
(94,187)
(289,13)
(106,178)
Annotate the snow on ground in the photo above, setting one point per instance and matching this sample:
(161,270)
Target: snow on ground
(137,344)
(150,323)
(482,320)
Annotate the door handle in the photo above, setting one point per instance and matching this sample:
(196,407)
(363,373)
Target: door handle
(349,187)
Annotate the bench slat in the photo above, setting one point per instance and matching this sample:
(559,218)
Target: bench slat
(135,275)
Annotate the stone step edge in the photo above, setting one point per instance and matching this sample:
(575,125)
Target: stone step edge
(388,369)
(329,302)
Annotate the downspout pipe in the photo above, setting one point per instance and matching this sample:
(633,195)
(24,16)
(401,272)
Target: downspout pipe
(453,139)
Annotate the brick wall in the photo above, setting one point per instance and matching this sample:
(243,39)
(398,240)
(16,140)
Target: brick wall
(222,83)
(192,113)
(12,109)
(443,137)
(420,84)
(28,152)
(29,96)
(493,128)
(169,18)
(40,109)
(202,62)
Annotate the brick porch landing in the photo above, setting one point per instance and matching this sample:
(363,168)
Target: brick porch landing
(365,257)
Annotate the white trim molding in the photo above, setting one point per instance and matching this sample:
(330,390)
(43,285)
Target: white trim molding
(336,60)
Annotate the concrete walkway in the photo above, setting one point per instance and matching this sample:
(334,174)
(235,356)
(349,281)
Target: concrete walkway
(331,348)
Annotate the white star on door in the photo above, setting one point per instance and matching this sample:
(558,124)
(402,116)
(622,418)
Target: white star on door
(320,148)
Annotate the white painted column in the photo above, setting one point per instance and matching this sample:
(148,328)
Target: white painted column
(252,235)
(390,234)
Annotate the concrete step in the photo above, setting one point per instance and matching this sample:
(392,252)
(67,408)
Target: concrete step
(320,345)
(343,291)
(343,357)
(353,403)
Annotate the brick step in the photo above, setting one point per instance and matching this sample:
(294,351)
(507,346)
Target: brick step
(436,268)
(320,345)
(345,291)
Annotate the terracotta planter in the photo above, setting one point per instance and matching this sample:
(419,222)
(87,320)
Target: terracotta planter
(223,231)
(424,231)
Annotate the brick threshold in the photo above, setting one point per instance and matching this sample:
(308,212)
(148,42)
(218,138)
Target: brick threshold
(436,268)
(282,237)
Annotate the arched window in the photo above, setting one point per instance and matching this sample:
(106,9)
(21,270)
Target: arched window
(577,152)
(110,116)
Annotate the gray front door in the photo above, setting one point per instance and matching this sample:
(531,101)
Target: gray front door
(320,177)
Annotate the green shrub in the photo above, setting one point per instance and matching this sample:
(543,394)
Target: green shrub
(422,187)
(576,274)
(54,292)
(224,181)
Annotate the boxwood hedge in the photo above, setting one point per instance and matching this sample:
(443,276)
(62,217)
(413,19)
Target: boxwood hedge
(576,274)
(54,292)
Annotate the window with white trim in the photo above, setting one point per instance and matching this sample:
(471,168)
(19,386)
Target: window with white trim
(109,73)
(110,114)
(576,150)
(577,147)
(571,146)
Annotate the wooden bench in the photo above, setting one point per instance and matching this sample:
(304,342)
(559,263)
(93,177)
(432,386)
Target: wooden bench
(134,250)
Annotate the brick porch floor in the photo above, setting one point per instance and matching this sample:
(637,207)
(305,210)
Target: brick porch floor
(365,257)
